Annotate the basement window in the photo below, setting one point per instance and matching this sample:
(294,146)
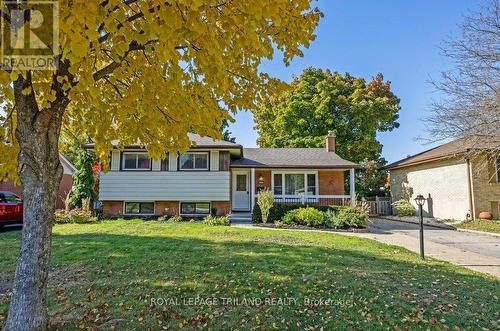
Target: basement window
(139,208)
(195,208)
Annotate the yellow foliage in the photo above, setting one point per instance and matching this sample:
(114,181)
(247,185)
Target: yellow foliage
(151,71)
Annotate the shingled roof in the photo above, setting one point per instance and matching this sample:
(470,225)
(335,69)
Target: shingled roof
(449,150)
(197,141)
(290,158)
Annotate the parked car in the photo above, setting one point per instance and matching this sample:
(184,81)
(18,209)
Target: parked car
(11,208)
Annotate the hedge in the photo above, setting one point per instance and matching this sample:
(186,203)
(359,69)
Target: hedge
(279,210)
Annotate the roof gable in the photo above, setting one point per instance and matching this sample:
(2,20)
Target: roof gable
(449,150)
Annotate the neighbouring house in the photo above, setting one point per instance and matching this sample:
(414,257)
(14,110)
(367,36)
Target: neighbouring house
(64,187)
(459,178)
(223,177)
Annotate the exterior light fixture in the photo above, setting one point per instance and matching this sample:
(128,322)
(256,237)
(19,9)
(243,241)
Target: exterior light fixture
(420,200)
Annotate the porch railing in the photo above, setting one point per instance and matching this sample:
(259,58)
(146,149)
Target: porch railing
(316,200)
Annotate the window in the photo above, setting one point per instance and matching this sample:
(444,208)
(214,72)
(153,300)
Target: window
(278,184)
(241,183)
(136,161)
(164,164)
(191,208)
(224,160)
(139,208)
(311,184)
(294,183)
(12,198)
(9,198)
(194,161)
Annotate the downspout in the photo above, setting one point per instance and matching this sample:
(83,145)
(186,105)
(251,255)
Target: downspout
(470,190)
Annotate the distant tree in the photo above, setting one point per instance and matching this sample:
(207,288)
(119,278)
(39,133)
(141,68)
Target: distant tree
(371,179)
(319,101)
(471,88)
(226,134)
(83,179)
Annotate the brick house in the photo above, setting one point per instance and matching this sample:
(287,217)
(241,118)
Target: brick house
(64,187)
(459,178)
(221,175)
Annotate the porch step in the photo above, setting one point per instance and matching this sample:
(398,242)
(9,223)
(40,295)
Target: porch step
(240,218)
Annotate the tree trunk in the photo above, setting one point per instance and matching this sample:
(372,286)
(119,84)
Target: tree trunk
(40,172)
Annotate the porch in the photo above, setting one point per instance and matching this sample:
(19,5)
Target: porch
(319,187)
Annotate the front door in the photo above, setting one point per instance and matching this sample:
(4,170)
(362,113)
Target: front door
(241,191)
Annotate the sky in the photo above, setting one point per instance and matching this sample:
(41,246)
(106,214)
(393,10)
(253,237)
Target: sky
(399,38)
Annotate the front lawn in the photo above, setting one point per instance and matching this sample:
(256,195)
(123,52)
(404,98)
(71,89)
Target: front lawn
(481,225)
(139,275)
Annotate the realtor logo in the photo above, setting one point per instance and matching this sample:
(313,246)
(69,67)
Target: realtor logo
(30,35)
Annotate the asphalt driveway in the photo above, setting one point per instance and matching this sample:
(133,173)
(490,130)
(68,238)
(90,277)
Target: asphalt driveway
(472,250)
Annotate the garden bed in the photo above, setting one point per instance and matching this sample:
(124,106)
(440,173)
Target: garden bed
(308,228)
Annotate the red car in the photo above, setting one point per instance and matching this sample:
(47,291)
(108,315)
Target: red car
(11,208)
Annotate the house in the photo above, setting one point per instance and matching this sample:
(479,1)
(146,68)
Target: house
(64,187)
(459,178)
(222,177)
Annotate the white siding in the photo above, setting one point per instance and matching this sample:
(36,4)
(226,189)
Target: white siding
(214,162)
(445,182)
(115,160)
(165,185)
(172,162)
(156,165)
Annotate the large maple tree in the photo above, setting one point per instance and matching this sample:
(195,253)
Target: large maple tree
(132,70)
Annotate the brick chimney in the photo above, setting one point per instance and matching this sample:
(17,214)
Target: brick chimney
(330,142)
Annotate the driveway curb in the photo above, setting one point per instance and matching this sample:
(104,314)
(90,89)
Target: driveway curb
(479,232)
(441,226)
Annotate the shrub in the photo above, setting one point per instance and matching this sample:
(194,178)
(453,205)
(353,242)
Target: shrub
(84,178)
(77,216)
(279,210)
(308,216)
(265,200)
(404,208)
(216,220)
(332,221)
(162,219)
(351,216)
(175,219)
(279,224)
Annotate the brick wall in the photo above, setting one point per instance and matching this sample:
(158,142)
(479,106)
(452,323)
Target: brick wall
(112,207)
(167,208)
(64,189)
(266,176)
(331,182)
(223,207)
(163,207)
(485,186)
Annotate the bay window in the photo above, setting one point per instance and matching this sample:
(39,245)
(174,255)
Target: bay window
(294,183)
(194,161)
(136,161)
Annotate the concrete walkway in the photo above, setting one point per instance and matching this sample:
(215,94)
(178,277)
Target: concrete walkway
(479,252)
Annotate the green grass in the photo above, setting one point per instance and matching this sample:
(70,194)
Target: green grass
(110,272)
(481,225)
